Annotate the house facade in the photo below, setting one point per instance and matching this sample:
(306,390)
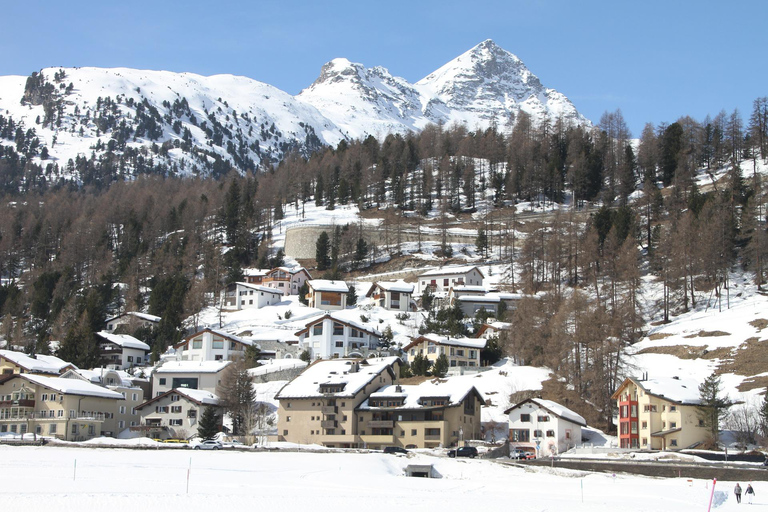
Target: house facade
(238,296)
(130,321)
(332,336)
(429,415)
(287,281)
(327,295)
(320,405)
(443,279)
(211,345)
(659,414)
(174,414)
(122,350)
(205,375)
(67,409)
(461,352)
(544,427)
(392,295)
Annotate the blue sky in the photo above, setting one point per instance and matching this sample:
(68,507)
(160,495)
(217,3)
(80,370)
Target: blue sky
(655,60)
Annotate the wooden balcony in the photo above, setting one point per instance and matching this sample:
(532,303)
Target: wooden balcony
(381,424)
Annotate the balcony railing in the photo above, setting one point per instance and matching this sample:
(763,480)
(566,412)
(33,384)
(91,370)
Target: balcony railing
(329,424)
(329,409)
(432,437)
(45,415)
(17,403)
(381,424)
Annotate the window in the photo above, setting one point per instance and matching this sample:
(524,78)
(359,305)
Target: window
(121,424)
(645,441)
(175,423)
(473,354)
(537,433)
(644,425)
(134,396)
(130,359)
(672,424)
(174,398)
(122,409)
(520,435)
(550,433)
(52,428)
(288,418)
(192,413)
(634,427)
(162,381)
(338,329)
(339,344)
(197,343)
(217,344)
(673,442)
(317,330)
(44,397)
(354,333)
(543,418)
(672,408)
(176,409)
(285,432)
(413,431)
(525,418)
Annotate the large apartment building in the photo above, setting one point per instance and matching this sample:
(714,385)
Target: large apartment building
(659,414)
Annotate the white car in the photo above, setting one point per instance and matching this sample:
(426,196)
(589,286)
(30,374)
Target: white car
(208,444)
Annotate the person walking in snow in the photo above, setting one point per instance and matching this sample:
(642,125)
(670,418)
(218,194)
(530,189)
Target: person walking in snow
(750,492)
(737,492)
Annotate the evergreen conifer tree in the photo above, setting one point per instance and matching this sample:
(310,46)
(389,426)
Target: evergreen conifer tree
(208,426)
(323,251)
(714,406)
(441,366)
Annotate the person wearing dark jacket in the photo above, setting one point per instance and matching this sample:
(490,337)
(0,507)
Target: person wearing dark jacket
(737,492)
(750,493)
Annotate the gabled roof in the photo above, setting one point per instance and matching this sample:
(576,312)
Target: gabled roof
(142,316)
(336,317)
(672,389)
(391,286)
(40,363)
(324,285)
(72,387)
(477,343)
(493,326)
(217,332)
(97,377)
(293,270)
(351,374)
(449,271)
(455,391)
(554,408)
(258,288)
(123,340)
(196,396)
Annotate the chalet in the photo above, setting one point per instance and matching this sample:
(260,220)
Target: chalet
(68,409)
(254,275)
(335,336)
(237,296)
(130,321)
(433,414)
(319,406)
(12,362)
(287,280)
(442,279)
(211,345)
(461,352)
(493,330)
(659,414)
(327,295)
(122,350)
(392,295)
(544,427)
(174,413)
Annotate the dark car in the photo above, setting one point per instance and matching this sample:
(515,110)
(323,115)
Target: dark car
(394,449)
(464,451)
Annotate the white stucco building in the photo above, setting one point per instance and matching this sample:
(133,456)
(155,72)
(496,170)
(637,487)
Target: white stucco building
(544,427)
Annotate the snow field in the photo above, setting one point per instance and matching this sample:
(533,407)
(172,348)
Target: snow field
(88,479)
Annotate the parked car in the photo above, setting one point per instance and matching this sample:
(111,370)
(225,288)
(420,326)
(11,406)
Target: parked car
(232,444)
(519,454)
(464,451)
(208,444)
(394,449)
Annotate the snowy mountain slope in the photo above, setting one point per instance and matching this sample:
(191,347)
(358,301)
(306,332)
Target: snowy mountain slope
(488,84)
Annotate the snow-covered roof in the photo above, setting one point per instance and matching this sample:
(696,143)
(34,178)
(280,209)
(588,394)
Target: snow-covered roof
(253,272)
(275,365)
(479,298)
(449,271)
(123,340)
(555,408)
(478,343)
(39,364)
(137,314)
(192,367)
(198,395)
(453,390)
(394,286)
(291,270)
(469,289)
(683,391)
(217,332)
(260,288)
(324,285)
(73,386)
(97,376)
(351,374)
